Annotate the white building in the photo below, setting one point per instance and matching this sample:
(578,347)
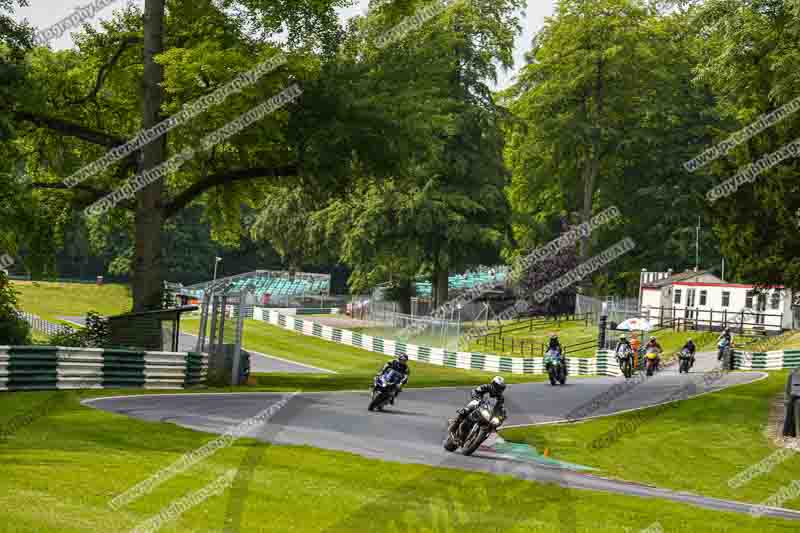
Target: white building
(707,301)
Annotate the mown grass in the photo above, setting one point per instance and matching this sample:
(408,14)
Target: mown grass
(53,300)
(697,446)
(61,470)
(355,367)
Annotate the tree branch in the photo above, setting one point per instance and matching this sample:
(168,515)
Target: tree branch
(94,194)
(223,178)
(71,129)
(105,70)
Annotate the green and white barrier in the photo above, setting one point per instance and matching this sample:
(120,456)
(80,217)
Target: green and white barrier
(777,360)
(437,356)
(49,367)
(607,364)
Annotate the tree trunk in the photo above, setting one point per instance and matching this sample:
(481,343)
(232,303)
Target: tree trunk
(404,297)
(147,274)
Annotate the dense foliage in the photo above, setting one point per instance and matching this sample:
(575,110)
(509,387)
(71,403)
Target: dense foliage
(400,162)
(14,331)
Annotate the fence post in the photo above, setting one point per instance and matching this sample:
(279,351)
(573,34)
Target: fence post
(601,324)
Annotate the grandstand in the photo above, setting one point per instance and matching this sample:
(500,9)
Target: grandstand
(269,286)
(468,280)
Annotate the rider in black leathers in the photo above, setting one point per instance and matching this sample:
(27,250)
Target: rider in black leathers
(400,365)
(555,345)
(494,389)
(691,348)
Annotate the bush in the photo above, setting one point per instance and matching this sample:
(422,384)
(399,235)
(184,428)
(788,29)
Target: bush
(94,335)
(14,330)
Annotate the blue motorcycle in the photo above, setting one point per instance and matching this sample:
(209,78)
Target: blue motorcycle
(385,388)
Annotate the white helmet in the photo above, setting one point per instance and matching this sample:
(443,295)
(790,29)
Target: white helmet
(499,384)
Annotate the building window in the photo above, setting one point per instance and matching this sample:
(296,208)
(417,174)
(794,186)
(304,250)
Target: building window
(775,302)
(748,300)
(726,299)
(703,297)
(678,296)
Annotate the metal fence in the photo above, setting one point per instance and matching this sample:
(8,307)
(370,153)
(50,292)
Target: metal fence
(618,309)
(45,326)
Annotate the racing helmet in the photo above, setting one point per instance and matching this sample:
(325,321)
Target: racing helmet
(403,358)
(498,384)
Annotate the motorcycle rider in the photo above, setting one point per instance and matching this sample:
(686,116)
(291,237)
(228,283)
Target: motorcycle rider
(494,389)
(555,344)
(400,365)
(621,344)
(691,348)
(653,343)
(726,335)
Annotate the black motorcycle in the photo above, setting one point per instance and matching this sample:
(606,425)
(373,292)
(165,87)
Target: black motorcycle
(474,429)
(556,367)
(686,363)
(625,360)
(385,388)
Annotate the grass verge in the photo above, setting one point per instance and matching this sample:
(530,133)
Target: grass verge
(355,367)
(61,470)
(697,446)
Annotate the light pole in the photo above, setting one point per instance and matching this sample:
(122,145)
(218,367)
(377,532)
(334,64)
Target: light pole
(215,268)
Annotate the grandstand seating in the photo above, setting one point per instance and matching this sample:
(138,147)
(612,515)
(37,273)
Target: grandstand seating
(461,282)
(274,287)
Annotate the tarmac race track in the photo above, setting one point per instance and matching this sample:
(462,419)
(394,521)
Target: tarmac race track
(412,431)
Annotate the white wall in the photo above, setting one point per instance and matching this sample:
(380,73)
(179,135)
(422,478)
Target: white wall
(652,299)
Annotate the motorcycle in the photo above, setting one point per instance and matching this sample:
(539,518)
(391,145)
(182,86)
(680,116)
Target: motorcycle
(651,357)
(385,388)
(722,348)
(474,429)
(556,367)
(625,360)
(686,363)
(724,352)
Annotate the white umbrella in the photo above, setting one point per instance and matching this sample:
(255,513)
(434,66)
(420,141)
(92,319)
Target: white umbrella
(636,324)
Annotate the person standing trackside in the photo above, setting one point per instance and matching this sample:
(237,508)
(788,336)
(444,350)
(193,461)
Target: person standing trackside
(635,345)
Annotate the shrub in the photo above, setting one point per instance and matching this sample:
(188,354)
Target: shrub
(13,328)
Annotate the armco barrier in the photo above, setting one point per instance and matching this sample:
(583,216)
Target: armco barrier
(48,367)
(777,360)
(604,363)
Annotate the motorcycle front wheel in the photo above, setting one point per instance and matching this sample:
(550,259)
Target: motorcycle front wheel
(474,443)
(377,401)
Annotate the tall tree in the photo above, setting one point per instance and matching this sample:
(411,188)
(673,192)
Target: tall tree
(606,113)
(177,63)
(752,61)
